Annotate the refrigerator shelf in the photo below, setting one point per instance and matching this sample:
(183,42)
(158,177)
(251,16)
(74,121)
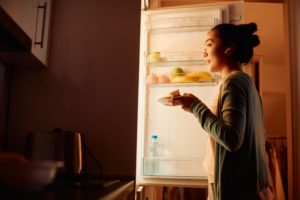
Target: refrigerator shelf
(200,28)
(173,167)
(164,57)
(211,83)
(176,63)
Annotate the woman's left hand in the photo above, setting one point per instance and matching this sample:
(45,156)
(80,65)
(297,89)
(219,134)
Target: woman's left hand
(185,100)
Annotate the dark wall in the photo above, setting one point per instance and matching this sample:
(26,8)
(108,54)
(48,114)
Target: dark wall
(91,84)
(3,104)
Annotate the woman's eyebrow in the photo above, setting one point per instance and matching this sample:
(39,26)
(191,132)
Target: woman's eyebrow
(208,40)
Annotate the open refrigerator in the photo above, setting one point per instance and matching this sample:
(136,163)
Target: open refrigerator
(173,38)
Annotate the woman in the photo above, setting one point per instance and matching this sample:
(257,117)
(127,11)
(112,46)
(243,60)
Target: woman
(240,161)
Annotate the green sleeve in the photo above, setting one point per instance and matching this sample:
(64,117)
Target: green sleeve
(227,129)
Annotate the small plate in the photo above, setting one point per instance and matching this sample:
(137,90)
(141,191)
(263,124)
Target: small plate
(169,101)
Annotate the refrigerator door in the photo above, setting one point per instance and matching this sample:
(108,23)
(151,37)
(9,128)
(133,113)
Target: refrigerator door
(171,59)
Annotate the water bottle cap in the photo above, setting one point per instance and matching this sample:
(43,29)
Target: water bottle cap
(154,136)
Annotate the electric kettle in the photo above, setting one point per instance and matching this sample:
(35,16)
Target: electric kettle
(58,145)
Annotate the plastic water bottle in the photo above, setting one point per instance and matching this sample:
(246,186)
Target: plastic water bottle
(153,156)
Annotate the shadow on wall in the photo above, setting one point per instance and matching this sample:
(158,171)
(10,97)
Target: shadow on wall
(274,104)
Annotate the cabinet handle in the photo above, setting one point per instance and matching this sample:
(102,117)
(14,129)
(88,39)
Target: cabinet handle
(41,42)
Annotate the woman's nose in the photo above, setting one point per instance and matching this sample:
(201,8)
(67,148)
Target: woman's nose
(205,54)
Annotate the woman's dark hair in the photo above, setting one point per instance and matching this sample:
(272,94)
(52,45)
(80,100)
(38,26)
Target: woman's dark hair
(240,37)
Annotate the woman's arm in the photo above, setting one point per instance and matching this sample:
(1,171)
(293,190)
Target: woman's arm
(228,130)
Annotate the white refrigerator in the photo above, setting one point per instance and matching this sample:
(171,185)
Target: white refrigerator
(173,38)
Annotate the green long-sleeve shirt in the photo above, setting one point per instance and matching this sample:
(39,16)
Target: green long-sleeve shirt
(241,169)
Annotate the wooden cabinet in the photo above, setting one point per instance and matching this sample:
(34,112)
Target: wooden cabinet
(33,16)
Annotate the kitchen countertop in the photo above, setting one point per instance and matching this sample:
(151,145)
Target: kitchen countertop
(109,189)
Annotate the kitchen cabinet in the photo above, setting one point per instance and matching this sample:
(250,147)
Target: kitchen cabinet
(33,17)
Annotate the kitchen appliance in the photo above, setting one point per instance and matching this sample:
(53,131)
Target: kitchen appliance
(69,148)
(172,39)
(58,145)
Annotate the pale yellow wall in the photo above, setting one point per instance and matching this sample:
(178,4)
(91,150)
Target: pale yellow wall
(91,84)
(274,69)
(269,19)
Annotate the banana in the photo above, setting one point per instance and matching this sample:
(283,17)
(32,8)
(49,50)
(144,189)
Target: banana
(193,77)
(183,79)
(201,76)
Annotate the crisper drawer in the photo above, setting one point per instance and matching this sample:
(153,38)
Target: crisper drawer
(173,167)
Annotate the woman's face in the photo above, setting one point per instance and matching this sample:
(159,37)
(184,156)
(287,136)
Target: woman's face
(214,52)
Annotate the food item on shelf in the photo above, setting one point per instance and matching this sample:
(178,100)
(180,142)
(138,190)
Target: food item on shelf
(170,100)
(193,77)
(201,76)
(183,79)
(177,71)
(154,57)
(152,79)
(163,79)
(175,93)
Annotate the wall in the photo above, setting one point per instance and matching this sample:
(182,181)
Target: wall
(91,84)
(3,103)
(274,69)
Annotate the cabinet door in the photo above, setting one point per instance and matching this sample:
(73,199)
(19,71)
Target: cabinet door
(23,13)
(33,16)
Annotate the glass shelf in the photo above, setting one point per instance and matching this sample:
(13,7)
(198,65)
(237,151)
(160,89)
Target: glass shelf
(177,63)
(173,167)
(208,83)
(180,29)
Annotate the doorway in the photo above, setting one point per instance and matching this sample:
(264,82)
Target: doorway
(274,77)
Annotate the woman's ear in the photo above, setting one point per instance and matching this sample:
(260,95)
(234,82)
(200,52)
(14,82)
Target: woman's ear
(227,51)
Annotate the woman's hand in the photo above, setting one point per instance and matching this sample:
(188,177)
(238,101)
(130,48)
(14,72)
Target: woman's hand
(185,100)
